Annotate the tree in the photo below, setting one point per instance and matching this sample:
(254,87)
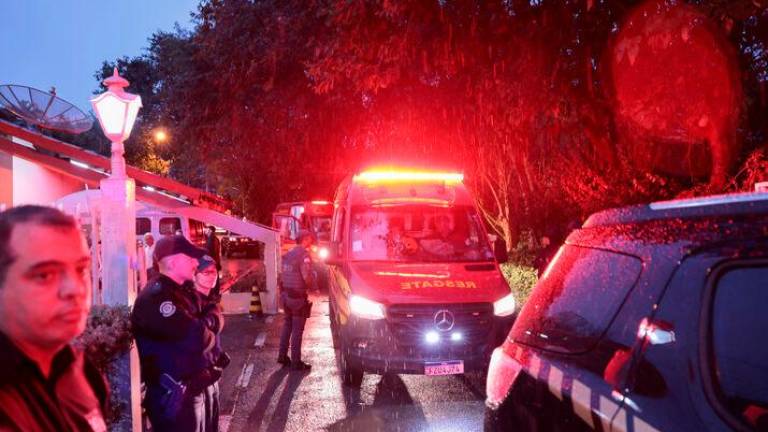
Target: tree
(270,101)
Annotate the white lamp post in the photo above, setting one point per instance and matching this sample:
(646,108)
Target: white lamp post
(116,111)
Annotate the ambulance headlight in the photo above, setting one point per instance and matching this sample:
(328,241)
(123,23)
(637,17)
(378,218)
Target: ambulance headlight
(322,253)
(432,337)
(364,308)
(505,306)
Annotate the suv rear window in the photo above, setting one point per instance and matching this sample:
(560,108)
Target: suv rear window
(576,299)
(739,341)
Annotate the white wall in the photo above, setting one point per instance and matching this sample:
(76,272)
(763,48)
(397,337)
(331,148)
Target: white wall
(6,180)
(35,184)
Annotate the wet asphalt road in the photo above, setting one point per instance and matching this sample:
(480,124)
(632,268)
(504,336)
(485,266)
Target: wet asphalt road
(272,398)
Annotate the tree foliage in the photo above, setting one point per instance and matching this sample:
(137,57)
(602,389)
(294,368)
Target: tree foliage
(268,101)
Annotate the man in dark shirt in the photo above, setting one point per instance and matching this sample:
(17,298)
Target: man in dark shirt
(45,297)
(175,337)
(213,245)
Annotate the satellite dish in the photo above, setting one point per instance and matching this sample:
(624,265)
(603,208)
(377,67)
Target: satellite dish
(44,109)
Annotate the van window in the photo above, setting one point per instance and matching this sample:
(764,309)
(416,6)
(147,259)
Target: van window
(338,230)
(196,231)
(169,225)
(739,340)
(576,299)
(143,225)
(417,233)
(285,224)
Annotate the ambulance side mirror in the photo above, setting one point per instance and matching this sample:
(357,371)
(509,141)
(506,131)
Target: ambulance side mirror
(333,254)
(500,250)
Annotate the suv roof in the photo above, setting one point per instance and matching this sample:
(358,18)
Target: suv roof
(715,205)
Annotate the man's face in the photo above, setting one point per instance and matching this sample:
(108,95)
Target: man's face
(149,240)
(205,280)
(46,295)
(184,266)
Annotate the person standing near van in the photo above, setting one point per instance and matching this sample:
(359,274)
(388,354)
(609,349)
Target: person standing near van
(297,277)
(213,245)
(176,339)
(206,278)
(149,252)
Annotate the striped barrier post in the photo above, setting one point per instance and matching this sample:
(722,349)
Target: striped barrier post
(255,309)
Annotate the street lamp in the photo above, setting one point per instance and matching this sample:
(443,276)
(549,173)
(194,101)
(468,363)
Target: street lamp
(116,110)
(160,136)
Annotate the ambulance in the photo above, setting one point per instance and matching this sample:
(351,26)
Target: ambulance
(415,285)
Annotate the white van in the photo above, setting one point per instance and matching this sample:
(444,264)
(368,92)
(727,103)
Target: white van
(149,218)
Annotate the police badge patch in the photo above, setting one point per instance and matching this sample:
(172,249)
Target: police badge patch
(167,309)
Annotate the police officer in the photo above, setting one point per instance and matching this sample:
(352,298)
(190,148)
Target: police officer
(297,277)
(175,338)
(206,279)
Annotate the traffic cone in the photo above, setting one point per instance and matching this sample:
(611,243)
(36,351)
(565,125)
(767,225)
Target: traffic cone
(255,309)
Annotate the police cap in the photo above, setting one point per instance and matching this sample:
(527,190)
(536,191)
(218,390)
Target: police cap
(176,244)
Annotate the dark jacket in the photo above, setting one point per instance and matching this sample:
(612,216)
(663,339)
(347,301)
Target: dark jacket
(72,398)
(213,246)
(172,334)
(292,280)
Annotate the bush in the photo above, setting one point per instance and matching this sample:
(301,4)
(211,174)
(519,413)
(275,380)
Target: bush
(521,279)
(107,337)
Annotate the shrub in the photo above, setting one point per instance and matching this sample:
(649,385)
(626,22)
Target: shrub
(107,337)
(521,279)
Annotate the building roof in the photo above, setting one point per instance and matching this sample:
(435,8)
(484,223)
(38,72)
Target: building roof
(91,168)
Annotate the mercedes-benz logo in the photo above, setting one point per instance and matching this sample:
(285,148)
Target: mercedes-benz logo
(444,320)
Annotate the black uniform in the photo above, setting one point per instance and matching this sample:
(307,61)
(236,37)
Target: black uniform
(295,302)
(176,338)
(213,246)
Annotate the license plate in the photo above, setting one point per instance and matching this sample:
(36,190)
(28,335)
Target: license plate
(444,368)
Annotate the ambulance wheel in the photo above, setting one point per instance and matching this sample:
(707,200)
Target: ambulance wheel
(351,375)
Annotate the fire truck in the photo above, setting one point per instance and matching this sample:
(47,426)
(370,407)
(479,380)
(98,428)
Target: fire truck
(415,285)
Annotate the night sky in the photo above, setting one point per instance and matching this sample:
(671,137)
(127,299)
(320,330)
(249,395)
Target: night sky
(61,43)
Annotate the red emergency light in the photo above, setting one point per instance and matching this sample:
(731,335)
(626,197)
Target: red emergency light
(405,176)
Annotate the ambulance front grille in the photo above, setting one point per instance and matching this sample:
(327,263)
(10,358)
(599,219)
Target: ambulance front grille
(409,324)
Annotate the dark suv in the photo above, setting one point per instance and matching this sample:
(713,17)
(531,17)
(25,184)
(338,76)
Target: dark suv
(649,318)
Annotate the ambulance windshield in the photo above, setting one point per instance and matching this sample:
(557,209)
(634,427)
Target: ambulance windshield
(418,233)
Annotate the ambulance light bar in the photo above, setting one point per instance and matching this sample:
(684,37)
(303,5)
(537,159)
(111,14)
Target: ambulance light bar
(383,176)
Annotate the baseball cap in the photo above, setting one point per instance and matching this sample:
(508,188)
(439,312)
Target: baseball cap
(204,262)
(176,244)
